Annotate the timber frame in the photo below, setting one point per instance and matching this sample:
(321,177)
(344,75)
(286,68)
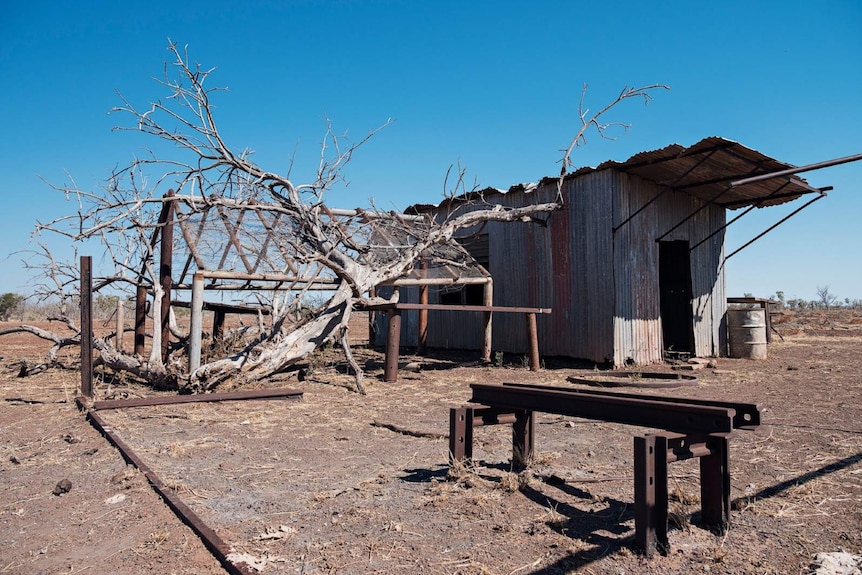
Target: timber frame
(249,247)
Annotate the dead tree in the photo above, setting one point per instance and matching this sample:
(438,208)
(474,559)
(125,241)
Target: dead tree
(341,247)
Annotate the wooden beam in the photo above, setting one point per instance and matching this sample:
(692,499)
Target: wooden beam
(455,307)
(87,326)
(166,263)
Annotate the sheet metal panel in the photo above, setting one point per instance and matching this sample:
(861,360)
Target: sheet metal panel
(638,335)
(603,286)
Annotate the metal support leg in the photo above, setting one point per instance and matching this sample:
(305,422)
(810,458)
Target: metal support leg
(715,485)
(650,462)
(196,322)
(460,434)
(393,346)
(523,434)
(533,338)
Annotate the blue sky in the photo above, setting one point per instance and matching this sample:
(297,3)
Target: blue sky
(493,85)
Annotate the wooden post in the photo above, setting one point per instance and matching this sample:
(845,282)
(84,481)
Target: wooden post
(393,345)
(218,325)
(422,341)
(533,337)
(196,322)
(487,300)
(422,338)
(140,319)
(87,326)
(166,258)
(121,324)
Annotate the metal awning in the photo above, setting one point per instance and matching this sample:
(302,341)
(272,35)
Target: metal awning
(707,169)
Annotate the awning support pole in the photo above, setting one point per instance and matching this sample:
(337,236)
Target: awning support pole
(799,170)
(772,227)
(670,186)
(725,226)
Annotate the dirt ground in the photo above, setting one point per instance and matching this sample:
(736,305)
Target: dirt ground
(341,483)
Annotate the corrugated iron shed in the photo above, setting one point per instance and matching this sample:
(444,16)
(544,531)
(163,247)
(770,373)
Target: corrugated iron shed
(704,170)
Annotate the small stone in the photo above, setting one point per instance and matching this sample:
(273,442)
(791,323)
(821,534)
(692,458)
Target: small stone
(114,499)
(64,486)
(14,460)
(69,438)
(712,364)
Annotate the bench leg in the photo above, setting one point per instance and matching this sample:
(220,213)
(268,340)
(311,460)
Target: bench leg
(715,485)
(523,434)
(650,463)
(460,434)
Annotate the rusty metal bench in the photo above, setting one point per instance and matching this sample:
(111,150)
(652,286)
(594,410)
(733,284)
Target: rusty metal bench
(689,428)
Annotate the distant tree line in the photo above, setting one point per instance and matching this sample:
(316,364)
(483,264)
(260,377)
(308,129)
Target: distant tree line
(15,307)
(825,300)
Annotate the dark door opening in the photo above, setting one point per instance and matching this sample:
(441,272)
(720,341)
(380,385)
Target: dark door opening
(674,273)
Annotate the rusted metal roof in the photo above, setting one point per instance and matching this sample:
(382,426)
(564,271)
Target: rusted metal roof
(706,170)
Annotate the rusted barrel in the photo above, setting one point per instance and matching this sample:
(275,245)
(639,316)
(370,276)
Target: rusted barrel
(746,333)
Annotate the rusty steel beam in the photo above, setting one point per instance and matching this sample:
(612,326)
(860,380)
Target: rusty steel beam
(204,397)
(667,415)
(715,485)
(461,421)
(523,438)
(533,338)
(393,346)
(746,415)
(651,500)
(219,549)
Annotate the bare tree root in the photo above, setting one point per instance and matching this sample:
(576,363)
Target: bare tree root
(348,354)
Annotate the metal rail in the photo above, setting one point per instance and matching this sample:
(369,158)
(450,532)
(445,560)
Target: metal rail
(203,397)
(215,544)
(693,428)
(746,415)
(654,413)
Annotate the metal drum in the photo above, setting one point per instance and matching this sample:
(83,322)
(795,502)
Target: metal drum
(746,333)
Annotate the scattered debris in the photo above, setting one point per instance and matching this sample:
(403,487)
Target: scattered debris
(252,562)
(410,432)
(275,534)
(838,563)
(63,486)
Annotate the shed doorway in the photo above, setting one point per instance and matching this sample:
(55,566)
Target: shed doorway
(675,297)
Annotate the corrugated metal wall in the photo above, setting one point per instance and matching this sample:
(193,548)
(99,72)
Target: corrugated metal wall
(637,320)
(603,286)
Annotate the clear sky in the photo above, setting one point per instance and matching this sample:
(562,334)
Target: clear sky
(492,84)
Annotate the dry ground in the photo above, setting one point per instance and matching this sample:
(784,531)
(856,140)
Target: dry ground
(340,483)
